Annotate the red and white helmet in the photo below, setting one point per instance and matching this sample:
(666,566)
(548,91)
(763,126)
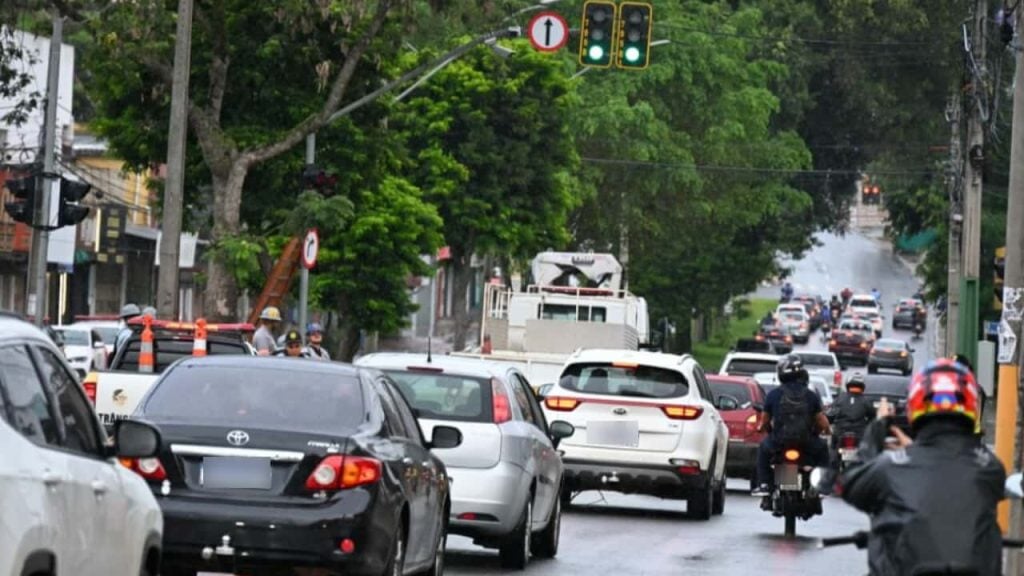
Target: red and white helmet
(945,388)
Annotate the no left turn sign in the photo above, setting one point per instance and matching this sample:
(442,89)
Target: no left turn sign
(548,32)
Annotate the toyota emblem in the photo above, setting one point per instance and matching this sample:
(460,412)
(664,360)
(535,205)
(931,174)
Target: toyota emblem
(620,411)
(238,437)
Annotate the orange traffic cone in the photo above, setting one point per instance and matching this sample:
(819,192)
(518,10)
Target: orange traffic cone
(146,347)
(199,339)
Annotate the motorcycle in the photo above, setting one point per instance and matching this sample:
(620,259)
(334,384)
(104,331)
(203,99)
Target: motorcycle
(846,446)
(860,540)
(794,494)
(918,330)
(826,330)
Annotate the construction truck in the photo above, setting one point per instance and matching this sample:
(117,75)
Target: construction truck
(154,345)
(577,301)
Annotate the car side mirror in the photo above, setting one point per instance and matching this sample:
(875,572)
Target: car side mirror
(757,406)
(544,390)
(445,437)
(559,430)
(135,439)
(726,403)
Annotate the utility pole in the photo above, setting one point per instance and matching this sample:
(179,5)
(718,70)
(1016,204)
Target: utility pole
(304,273)
(967,341)
(1009,433)
(954,173)
(170,237)
(37,297)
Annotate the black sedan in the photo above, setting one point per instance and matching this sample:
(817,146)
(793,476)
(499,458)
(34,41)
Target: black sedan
(271,464)
(894,389)
(891,354)
(908,312)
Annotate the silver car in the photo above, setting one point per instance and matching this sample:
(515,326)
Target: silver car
(507,474)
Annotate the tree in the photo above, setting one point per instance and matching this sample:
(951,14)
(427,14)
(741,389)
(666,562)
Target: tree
(491,139)
(264,75)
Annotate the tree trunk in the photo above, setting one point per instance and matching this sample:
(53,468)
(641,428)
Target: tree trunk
(462,273)
(349,343)
(220,299)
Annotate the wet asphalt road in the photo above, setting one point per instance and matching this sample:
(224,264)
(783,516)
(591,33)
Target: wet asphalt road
(634,535)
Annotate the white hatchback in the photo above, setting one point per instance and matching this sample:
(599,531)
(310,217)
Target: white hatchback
(65,500)
(645,423)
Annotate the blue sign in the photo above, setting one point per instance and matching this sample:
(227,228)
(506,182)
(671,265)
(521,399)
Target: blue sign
(992,328)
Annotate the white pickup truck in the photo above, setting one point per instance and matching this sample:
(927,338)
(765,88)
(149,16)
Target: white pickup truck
(116,392)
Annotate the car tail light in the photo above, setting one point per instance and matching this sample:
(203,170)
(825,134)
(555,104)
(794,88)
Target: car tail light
(686,467)
(789,339)
(89,384)
(561,404)
(792,455)
(751,423)
(759,337)
(832,342)
(337,472)
(500,405)
(149,468)
(837,378)
(864,345)
(848,441)
(682,412)
(803,325)
(347,546)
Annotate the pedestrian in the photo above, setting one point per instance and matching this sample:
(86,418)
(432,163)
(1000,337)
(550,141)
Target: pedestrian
(128,312)
(292,346)
(315,336)
(263,339)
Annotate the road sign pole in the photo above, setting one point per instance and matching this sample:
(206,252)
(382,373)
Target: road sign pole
(303,299)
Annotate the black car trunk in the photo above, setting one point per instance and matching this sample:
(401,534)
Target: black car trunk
(250,464)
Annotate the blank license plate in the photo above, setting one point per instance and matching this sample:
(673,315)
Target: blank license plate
(614,433)
(238,473)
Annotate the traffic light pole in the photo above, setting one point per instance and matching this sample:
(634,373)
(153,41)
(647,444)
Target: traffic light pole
(304,273)
(37,297)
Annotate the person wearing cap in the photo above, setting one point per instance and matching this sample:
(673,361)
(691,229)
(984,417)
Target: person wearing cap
(263,340)
(293,346)
(315,336)
(128,312)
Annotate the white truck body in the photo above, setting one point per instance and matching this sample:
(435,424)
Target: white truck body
(579,304)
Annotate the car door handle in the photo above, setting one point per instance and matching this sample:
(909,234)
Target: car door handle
(99,487)
(50,479)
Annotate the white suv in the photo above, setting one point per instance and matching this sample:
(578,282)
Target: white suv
(645,423)
(68,506)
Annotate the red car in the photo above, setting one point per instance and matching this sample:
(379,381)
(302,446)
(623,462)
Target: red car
(742,423)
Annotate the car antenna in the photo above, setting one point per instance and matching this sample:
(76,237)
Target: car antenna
(429,356)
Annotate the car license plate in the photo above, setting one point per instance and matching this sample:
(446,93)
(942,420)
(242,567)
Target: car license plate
(614,433)
(848,454)
(236,473)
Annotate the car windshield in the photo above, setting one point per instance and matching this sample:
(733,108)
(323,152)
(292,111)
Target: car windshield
(809,360)
(445,396)
(259,396)
(863,303)
(74,337)
(738,390)
(750,366)
(167,351)
(624,379)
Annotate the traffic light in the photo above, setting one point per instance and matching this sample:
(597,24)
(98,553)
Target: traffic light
(1000,273)
(634,35)
(22,207)
(597,39)
(71,212)
(314,178)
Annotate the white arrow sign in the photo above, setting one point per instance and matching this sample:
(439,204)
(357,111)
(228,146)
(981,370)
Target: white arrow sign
(548,32)
(1007,342)
(310,247)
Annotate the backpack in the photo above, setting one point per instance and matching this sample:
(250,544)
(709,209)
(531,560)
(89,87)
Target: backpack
(792,421)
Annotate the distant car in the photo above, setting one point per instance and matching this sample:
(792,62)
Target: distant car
(909,310)
(754,345)
(864,303)
(813,305)
(645,423)
(797,324)
(768,381)
(851,341)
(506,475)
(107,329)
(876,321)
(68,506)
(824,364)
(84,349)
(893,388)
(274,463)
(744,437)
(781,339)
(891,354)
(748,363)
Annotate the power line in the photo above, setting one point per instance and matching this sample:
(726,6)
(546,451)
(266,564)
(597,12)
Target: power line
(824,42)
(756,169)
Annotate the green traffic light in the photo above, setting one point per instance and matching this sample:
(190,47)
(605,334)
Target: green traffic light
(596,53)
(632,54)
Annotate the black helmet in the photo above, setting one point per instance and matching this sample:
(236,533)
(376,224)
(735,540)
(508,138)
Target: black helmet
(791,370)
(856,380)
(293,337)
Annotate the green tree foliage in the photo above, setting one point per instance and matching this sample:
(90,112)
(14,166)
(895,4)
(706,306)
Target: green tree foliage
(490,140)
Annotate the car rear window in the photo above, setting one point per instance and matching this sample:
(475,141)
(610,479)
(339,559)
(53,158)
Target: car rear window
(738,391)
(166,352)
(263,396)
(751,345)
(75,337)
(863,303)
(624,380)
(749,367)
(886,385)
(817,360)
(445,396)
(889,345)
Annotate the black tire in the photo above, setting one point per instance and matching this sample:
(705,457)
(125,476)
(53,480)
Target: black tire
(790,528)
(718,499)
(437,568)
(872,369)
(176,571)
(514,551)
(396,562)
(545,542)
(565,497)
(700,502)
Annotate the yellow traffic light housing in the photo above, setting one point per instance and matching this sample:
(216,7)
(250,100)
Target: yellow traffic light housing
(634,35)
(597,37)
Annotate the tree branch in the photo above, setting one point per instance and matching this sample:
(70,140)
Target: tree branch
(162,69)
(220,62)
(338,89)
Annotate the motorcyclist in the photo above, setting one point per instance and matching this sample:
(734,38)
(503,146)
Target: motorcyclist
(877,295)
(846,294)
(793,413)
(787,292)
(850,414)
(292,346)
(768,320)
(315,349)
(932,501)
(263,339)
(826,318)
